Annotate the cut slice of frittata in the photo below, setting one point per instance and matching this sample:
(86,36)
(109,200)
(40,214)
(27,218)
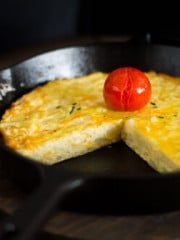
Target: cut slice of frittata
(154,134)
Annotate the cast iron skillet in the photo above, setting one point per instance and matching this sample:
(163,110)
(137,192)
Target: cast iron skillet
(112,180)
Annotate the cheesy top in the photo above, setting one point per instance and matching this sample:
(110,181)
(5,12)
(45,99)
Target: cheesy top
(56,109)
(63,106)
(161,124)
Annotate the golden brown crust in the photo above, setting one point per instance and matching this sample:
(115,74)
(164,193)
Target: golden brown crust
(67,118)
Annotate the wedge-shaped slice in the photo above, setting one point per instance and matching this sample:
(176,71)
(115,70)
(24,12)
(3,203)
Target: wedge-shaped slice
(155,133)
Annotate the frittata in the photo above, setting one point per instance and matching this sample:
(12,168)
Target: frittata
(154,133)
(66,118)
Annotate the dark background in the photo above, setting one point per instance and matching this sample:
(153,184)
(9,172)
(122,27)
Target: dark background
(29,22)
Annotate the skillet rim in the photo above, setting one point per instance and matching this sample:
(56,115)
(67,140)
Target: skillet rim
(94,43)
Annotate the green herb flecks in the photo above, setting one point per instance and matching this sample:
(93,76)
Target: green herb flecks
(153,104)
(74,107)
(129,117)
(57,107)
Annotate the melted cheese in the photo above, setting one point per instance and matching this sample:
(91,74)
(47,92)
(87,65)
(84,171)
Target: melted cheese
(62,119)
(66,118)
(155,133)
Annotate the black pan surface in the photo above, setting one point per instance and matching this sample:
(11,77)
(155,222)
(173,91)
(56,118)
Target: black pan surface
(110,180)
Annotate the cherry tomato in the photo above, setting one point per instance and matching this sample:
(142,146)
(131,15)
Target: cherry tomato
(127,89)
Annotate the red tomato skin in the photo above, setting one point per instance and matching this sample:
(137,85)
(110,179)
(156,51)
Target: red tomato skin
(127,89)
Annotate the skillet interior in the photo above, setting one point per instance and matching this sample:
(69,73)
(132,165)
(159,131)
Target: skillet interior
(133,179)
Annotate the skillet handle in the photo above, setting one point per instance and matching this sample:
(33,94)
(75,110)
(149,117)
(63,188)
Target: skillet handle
(28,219)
